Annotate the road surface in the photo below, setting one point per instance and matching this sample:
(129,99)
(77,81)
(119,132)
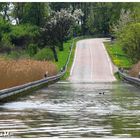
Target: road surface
(91,62)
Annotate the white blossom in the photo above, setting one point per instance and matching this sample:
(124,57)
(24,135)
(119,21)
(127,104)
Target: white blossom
(125,18)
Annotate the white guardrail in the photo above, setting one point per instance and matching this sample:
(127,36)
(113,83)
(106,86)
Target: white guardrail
(5,93)
(130,79)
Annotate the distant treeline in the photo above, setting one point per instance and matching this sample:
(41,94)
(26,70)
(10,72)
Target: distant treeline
(30,27)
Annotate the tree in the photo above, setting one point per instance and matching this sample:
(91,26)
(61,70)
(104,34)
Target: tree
(4,9)
(48,37)
(34,13)
(85,8)
(22,35)
(57,6)
(18,12)
(63,21)
(124,20)
(59,26)
(130,40)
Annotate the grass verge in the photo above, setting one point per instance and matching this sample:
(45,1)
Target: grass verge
(62,56)
(119,58)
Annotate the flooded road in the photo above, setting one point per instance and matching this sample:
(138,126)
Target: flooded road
(74,110)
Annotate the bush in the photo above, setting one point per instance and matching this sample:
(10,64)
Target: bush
(14,55)
(44,54)
(32,49)
(5,27)
(5,44)
(5,41)
(130,40)
(22,35)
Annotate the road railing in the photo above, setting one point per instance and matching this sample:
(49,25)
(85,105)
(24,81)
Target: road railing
(28,86)
(128,78)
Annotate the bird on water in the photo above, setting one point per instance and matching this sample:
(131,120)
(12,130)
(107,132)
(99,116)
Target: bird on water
(101,93)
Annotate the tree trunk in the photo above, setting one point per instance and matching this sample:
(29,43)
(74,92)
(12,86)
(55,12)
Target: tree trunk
(61,48)
(55,54)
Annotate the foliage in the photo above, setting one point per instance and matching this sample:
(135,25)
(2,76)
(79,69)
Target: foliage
(5,41)
(4,10)
(22,35)
(33,13)
(130,39)
(14,55)
(125,19)
(5,27)
(51,24)
(60,24)
(58,28)
(62,56)
(44,54)
(57,6)
(32,49)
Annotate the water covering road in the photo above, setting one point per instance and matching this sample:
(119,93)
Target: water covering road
(74,110)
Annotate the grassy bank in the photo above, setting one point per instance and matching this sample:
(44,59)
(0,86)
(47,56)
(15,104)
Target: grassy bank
(17,72)
(62,56)
(117,55)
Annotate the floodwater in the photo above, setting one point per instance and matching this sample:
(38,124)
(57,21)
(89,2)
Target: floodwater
(74,110)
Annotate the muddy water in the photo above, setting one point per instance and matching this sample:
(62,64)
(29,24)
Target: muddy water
(74,110)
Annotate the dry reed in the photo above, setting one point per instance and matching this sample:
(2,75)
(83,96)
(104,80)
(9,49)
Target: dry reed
(135,70)
(17,72)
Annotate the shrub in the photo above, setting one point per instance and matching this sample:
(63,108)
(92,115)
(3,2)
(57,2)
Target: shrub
(5,27)
(130,40)
(14,55)
(44,54)
(5,44)
(32,49)
(22,35)
(5,41)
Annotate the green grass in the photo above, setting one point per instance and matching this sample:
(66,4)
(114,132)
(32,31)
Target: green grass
(63,55)
(119,58)
(15,55)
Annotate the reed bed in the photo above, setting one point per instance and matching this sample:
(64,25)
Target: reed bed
(135,70)
(17,72)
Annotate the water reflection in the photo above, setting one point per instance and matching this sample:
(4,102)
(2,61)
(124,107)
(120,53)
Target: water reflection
(75,110)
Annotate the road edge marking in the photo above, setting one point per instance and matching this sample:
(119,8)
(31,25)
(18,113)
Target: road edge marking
(109,61)
(91,62)
(73,64)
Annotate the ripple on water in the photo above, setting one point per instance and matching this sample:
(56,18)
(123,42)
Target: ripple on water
(75,110)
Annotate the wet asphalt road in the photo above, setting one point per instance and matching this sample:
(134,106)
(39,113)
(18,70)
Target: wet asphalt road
(91,62)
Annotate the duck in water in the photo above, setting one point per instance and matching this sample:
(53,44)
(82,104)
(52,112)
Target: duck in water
(101,93)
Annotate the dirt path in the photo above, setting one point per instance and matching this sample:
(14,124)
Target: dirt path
(91,62)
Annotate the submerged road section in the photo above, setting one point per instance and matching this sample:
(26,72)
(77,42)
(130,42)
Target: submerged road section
(91,62)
